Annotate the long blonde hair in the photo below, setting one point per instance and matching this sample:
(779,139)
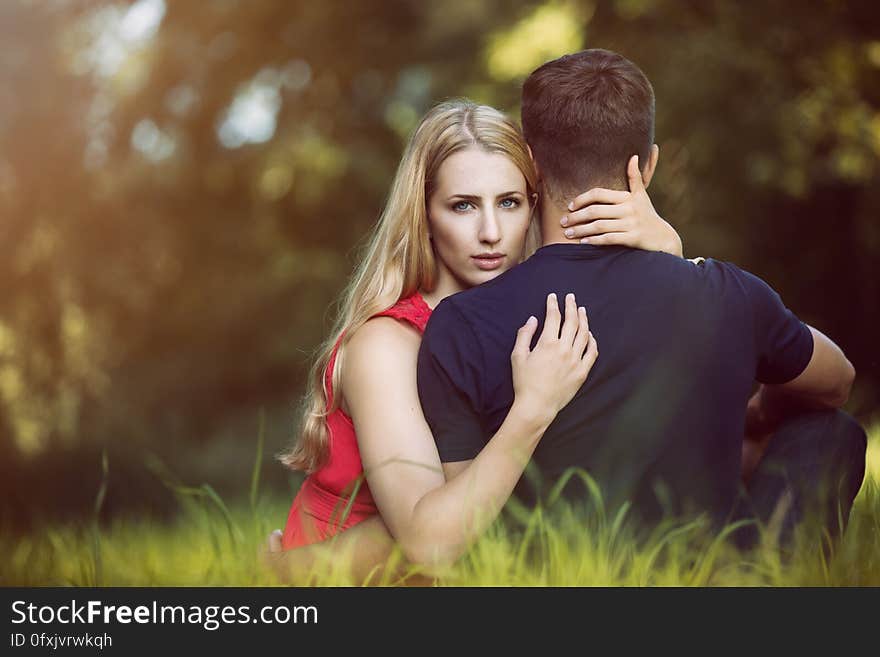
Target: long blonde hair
(398,259)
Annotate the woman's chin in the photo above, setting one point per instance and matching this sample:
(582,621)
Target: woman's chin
(484,276)
(473,277)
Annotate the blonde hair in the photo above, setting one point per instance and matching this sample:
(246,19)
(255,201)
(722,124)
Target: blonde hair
(398,259)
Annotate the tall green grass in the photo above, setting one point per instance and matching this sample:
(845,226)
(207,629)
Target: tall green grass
(212,543)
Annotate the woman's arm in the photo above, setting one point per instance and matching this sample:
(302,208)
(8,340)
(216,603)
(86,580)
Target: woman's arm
(365,550)
(433,520)
(607,216)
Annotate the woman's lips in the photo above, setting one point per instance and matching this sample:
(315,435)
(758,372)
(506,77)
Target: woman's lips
(489,261)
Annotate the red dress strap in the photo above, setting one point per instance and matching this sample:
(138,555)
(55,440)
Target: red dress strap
(413,309)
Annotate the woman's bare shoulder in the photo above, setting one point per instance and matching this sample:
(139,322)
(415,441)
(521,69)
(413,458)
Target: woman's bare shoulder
(379,363)
(384,341)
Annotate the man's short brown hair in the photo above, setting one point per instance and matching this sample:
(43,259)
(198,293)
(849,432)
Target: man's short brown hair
(584,115)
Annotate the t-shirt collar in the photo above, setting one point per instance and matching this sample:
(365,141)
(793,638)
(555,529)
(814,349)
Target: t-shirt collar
(579,251)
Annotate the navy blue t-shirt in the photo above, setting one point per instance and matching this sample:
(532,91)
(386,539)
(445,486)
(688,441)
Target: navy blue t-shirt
(660,419)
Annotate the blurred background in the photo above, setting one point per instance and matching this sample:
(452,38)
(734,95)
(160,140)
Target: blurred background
(183,185)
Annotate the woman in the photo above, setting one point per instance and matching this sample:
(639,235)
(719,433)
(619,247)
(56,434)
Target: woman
(459,214)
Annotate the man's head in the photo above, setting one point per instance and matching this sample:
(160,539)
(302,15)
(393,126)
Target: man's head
(584,115)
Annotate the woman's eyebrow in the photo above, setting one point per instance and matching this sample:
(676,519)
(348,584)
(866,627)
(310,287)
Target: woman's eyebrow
(475,197)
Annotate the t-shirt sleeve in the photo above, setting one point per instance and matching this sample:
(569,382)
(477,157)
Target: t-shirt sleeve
(448,387)
(784,343)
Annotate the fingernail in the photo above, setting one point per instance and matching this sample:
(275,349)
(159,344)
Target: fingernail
(571,205)
(564,220)
(569,296)
(569,232)
(586,240)
(552,296)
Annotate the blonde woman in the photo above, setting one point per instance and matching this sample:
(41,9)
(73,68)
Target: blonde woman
(459,214)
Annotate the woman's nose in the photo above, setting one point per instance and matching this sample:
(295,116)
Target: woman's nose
(490,228)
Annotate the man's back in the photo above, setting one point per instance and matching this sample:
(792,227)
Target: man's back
(660,418)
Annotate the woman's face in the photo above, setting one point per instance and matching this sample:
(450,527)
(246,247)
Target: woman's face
(478,215)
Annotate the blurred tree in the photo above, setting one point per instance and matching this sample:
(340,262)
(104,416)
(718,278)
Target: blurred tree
(182,184)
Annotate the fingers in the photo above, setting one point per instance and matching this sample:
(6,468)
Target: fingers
(599,227)
(553,319)
(583,333)
(597,195)
(595,212)
(570,326)
(634,173)
(524,338)
(275,541)
(591,354)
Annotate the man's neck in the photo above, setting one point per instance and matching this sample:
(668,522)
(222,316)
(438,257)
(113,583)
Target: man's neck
(551,229)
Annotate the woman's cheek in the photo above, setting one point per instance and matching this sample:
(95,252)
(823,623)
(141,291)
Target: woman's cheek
(449,246)
(523,231)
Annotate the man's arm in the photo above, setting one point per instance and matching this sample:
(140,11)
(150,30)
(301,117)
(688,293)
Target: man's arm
(798,367)
(825,383)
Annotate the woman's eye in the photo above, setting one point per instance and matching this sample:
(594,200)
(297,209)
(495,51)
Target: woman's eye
(509,203)
(462,206)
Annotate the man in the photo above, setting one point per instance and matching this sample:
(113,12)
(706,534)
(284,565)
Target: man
(661,418)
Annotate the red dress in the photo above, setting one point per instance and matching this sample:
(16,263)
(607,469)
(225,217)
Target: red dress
(321,507)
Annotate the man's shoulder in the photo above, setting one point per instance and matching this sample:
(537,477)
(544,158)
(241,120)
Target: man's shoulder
(715,286)
(449,328)
(723,282)
(702,268)
(729,270)
(445,315)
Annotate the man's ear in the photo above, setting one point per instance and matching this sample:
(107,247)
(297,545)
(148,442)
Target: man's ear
(534,162)
(648,171)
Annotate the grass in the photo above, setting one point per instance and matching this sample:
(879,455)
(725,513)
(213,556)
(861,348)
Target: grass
(214,544)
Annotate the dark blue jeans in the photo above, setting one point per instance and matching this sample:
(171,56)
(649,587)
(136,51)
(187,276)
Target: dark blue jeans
(809,476)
